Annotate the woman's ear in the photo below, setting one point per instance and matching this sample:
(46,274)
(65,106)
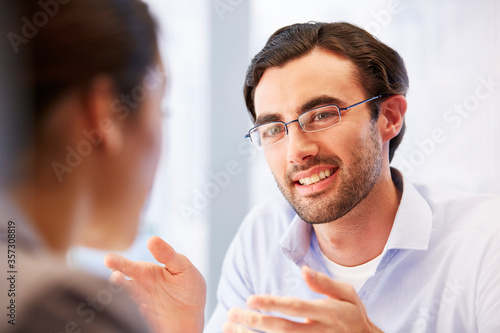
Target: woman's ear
(391,118)
(105,125)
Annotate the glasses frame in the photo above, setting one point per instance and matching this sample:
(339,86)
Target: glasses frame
(300,125)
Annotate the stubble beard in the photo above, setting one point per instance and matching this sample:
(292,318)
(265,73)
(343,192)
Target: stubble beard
(356,182)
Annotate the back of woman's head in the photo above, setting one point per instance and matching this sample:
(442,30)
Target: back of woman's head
(81,57)
(65,44)
(75,40)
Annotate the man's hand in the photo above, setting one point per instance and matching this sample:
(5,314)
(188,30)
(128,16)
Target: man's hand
(171,297)
(342,311)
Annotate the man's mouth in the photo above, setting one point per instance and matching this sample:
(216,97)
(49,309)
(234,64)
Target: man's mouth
(317,177)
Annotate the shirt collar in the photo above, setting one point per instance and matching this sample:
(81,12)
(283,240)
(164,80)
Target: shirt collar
(296,239)
(413,223)
(411,229)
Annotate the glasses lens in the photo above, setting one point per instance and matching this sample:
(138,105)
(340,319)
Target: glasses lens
(267,134)
(320,118)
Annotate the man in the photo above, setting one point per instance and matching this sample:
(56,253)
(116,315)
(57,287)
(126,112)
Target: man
(355,247)
(402,258)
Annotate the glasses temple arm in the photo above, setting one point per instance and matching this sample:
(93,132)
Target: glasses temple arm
(365,101)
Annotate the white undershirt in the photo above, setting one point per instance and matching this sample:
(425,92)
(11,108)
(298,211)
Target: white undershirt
(356,275)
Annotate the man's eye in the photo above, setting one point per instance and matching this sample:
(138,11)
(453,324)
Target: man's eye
(323,116)
(272,131)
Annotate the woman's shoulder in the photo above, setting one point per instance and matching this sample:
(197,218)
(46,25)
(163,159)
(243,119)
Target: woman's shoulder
(50,297)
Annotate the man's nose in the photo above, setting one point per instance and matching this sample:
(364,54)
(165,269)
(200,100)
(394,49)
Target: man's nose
(300,146)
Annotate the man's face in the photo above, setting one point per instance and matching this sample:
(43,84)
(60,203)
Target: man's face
(350,152)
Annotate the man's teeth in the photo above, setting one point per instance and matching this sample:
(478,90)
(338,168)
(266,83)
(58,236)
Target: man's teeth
(316,177)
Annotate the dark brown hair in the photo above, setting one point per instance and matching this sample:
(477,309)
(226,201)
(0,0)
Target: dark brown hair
(85,38)
(380,69)
(56,46)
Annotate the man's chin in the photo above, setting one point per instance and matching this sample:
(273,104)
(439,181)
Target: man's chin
(311,214)
(308,207)
(313,210)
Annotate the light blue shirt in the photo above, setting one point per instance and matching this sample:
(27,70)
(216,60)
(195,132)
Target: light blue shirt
(440,269)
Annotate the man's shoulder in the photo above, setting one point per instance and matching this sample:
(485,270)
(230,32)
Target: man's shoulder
(452,208)
(266,222)
(272,212)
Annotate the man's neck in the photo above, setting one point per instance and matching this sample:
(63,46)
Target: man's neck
(361,235)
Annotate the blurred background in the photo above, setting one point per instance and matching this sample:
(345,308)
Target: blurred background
(210,177)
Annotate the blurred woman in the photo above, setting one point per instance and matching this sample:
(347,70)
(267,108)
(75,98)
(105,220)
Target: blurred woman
(90,146)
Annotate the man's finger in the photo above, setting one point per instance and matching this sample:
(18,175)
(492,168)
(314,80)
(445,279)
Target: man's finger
(322,284)
(116,262)
(233,328)
(165,254)
(261,322)
(295,307)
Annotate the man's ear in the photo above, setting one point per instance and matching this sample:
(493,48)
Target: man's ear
(391,118)
(105,126)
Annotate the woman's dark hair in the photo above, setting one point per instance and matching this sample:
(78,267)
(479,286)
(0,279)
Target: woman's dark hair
(56,46)
(84,38)
(380,69)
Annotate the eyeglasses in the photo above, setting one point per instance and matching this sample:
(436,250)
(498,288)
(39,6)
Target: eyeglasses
(314,120)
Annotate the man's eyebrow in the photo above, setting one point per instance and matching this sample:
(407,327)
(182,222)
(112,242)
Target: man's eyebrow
(267,118)
(311,104)
(319,101)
